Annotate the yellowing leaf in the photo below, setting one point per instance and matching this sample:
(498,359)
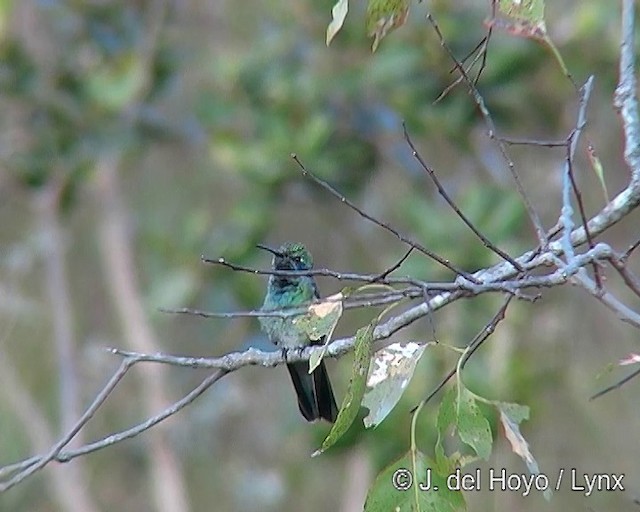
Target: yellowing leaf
(331,304)
(511,415)
(596,165)
(383,16)
(338,13)
(319,322)
(321,318)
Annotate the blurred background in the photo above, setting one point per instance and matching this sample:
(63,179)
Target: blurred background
(136,136)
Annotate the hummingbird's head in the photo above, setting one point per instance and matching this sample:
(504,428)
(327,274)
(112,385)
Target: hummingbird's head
(290,256)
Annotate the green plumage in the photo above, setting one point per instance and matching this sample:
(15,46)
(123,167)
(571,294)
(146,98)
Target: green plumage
(315,396)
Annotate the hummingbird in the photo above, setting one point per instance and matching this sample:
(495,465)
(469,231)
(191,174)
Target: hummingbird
(315,396)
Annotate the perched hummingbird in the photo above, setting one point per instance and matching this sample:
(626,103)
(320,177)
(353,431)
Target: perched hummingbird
(315,396)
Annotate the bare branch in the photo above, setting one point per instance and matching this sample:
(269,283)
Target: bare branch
(623,312)
(64,441)
(412,243)
(569,182)
(441,190)
(234,361)
(472,346)
(533,215)
(630,250)
(480,52)
(625,99)
(383,275)
(324,272)
(529,142)
(33,464)
(360,300)
(617,385)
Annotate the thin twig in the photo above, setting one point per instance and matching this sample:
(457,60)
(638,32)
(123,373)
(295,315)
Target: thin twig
(623,312)
(324,272)
(441,190)
(383,275)
(459,80)
(628,252)
(617,385)
(531,142)
(40,461)
(351,302)
(496,279)
(533,215)
(485,49)
(472,346)
(252,356)
(145,425)
(569,182)
(629,278)
(384,225)
(432,324)
(66,439)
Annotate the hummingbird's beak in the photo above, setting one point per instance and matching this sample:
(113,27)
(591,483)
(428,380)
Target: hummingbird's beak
(269,249)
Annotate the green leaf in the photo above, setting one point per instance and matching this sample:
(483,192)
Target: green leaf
(459,408)
(338,14)
(355,392)
(446,418)
(383,16)
(398,488)
(473,427)
(390,374)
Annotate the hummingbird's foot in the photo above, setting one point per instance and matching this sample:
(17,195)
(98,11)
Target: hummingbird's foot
(288,350)
(299,350)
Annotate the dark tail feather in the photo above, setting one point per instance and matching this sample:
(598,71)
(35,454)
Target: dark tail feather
(324,394)
(315,396)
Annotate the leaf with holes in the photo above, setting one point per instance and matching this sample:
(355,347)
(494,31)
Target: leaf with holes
(391,371)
